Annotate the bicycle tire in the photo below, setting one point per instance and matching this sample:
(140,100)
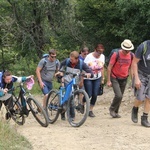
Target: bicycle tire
(37,111)
(52,106)
(79,114)
(17,115)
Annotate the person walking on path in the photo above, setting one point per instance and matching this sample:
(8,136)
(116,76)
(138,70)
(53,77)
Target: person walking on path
(95,61)
(141,68)
(45,71)
(117,74)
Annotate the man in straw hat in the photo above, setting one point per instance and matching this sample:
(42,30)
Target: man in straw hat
(117,74)
(141,69)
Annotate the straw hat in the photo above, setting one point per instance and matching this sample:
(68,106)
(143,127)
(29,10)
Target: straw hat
(127,45)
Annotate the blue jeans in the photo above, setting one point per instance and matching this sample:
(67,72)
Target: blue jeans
(48,86)
(91,87)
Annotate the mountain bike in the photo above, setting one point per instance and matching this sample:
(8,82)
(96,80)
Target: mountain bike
(23,103)
(71,99)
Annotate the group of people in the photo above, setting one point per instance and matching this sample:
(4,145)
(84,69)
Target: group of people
(122,64)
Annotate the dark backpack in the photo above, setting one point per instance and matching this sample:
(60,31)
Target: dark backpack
(117,55)
(45,61)
(144,52)
(81,63)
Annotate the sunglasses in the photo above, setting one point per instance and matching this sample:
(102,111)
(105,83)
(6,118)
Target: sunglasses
(53,56)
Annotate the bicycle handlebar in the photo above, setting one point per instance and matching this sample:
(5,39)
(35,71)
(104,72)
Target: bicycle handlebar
(74,74)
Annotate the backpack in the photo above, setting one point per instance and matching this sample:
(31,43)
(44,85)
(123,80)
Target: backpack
(117,55)
(81,63)
(144,52)
(45,61)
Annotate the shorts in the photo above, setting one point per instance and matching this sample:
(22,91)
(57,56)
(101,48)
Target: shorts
(47,87)
(144,91)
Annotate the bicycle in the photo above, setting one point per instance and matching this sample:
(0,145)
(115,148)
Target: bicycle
(23,103)
(68,99)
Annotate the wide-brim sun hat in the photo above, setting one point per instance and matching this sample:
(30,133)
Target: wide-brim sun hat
(127,45)
(29,83)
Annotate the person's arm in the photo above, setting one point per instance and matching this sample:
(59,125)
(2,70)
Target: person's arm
(134,68)
(38,74)
(87,70)
(109,68)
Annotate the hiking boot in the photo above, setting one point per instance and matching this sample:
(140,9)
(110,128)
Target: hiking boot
(63,116)
(91,114)
(112,113)
(144,121)
(7,116)
(134,114)
(80,108)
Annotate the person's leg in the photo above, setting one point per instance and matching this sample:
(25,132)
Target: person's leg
(88,88)
(144,118)
(140,95)
(122,84)
(48,86)
(117,98)
(95,88)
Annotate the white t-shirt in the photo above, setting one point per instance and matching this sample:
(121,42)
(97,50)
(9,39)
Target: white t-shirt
(96,64)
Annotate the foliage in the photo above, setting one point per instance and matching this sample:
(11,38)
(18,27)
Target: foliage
(30,28)
(110,22)
(10,139)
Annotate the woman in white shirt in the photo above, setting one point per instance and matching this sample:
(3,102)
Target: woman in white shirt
(95,61)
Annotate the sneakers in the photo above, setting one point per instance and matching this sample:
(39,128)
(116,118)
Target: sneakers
(80,108)
(91,114)
(63,116)
(114,114)
(118,116)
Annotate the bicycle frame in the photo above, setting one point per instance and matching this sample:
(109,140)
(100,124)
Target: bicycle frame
(22,92)
(68,90)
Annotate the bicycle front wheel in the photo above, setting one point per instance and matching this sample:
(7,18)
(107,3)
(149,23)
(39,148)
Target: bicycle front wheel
(16,112)
(52,106)
(38,111)
(78,108)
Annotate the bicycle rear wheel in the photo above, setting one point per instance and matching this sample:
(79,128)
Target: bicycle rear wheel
(78,110)
(16,112)
(37,111)
(52,106)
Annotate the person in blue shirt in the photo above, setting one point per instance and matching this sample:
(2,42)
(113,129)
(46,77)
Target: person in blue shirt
(83,53)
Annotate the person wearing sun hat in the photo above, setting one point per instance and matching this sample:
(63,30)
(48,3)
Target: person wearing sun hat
(117,74)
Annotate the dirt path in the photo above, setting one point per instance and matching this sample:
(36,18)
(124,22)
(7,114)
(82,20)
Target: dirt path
(99,133)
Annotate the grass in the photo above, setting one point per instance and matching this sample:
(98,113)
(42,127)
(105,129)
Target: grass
(11,140)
